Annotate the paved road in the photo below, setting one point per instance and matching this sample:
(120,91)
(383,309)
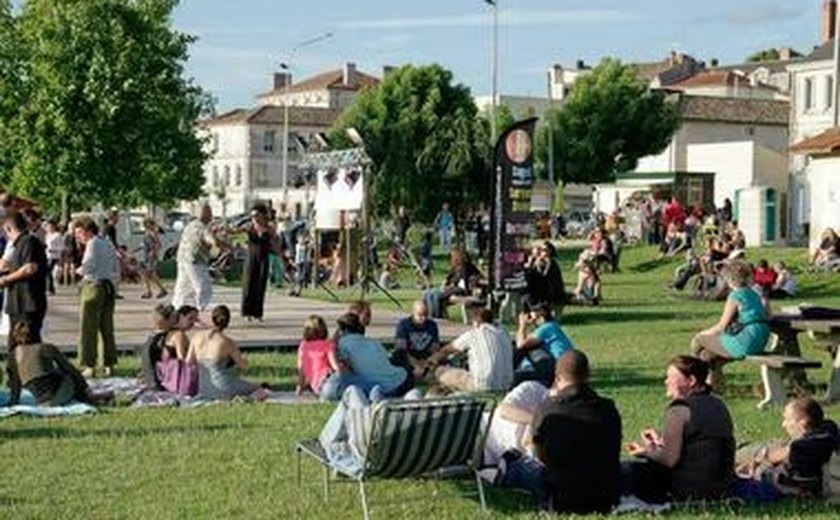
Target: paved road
(281,327)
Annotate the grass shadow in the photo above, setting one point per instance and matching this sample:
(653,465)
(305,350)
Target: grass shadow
(621,377)
(585,318)
(70,433)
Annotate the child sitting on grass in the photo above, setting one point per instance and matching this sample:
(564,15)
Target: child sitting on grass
(795,468)
(317,360)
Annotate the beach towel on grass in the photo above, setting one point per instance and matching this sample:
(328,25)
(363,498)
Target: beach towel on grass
(161,399)
(28,406)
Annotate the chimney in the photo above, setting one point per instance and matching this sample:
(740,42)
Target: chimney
(349,78)
(785,53)
(829,18)
(281,79)
(580,65)
(556,74)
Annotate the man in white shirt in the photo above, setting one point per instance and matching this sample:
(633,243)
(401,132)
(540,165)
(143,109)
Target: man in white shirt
(99,272)
(193,283)
(489,356)
(511,426)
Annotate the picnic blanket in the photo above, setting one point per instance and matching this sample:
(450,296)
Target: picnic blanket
(28,406)
(133,390)
(164,399)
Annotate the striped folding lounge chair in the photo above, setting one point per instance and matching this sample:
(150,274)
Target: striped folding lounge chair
(409,439)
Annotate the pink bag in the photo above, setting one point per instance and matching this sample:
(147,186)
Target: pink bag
(176,375)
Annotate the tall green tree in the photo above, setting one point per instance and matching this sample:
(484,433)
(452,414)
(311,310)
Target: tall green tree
(107,115)
(10,75)
(610,120)
(424,138)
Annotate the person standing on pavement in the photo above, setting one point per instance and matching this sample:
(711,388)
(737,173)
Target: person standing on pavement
(193,284)
(445,225)
(26,277)
(99,272)
(110,232)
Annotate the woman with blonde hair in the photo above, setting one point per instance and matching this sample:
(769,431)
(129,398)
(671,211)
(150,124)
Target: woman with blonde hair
(742,329)
(317,360)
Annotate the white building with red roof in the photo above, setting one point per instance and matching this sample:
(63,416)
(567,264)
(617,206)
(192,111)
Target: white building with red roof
(246,145)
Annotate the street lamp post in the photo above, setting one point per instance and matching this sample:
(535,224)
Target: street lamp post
(494,69)
(287,66)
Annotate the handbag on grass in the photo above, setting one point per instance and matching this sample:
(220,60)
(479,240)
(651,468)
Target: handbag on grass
(177,376)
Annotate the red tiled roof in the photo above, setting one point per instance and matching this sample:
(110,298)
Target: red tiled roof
(719,78)
(273,115)
(826,143)
(735,110)
(332,79)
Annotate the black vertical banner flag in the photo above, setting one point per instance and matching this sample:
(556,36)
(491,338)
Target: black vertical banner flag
(513,224)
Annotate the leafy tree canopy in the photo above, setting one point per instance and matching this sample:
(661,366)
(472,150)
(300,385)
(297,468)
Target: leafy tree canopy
(425,140)
(610,120)
(770,55)
(104,113)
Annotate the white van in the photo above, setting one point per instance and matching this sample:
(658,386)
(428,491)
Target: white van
(130,232)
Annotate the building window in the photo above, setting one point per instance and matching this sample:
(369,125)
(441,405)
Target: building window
(694,193)
(238,176)
(269,138)
(749,130)
(226,178)
(214,140)
(808,91)
(260,175)
(829,91)
(215,179)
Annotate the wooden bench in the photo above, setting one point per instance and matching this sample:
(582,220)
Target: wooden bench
(774,366)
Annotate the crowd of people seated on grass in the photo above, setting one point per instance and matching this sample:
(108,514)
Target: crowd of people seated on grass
(206,365)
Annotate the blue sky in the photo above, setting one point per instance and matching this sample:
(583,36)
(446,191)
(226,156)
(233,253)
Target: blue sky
(242,41)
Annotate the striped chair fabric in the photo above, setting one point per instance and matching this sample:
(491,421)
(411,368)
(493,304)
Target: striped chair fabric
(411,438)
(404,439)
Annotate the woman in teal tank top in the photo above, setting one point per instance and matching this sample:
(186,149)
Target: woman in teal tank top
(742,329)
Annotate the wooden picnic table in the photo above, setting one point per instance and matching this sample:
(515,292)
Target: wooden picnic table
(826,334)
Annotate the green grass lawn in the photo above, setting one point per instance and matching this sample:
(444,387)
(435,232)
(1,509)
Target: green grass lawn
(236,460)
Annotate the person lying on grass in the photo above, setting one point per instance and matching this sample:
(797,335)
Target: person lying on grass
(43,370)
(693,458)
(769,471)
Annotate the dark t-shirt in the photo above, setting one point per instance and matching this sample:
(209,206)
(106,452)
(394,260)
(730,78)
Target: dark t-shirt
(808,455)
(420,338)
(29,295)
(111,233)
(579,433)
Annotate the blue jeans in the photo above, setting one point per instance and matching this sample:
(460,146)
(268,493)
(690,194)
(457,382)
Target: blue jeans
(337,383)
(445,235)
(529,474)
(351,417)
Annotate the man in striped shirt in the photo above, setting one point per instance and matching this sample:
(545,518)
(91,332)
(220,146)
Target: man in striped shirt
(489,356)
